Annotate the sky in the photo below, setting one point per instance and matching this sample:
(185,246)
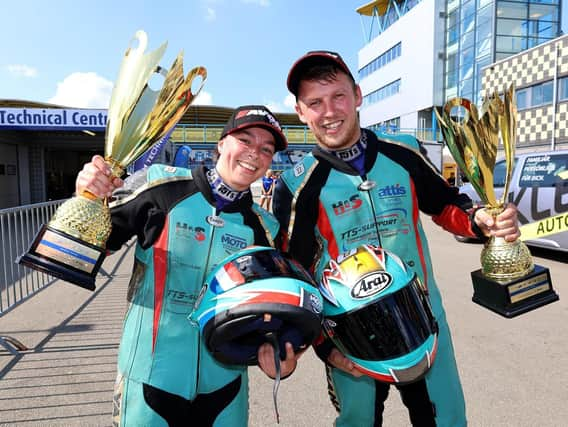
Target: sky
(68,52)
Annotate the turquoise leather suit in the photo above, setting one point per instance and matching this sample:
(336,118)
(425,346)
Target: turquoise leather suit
(323,213)
(165,374)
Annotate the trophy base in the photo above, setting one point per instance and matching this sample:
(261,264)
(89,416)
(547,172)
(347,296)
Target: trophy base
(63,256)
(514,297)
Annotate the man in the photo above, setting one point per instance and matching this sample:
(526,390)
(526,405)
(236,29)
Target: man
(353,189)
(165,374)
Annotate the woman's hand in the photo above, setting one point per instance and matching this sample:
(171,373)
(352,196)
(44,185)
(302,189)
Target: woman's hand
(96,178)
(287,366)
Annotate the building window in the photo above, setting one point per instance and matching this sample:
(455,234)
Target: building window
(542,94)
(390,126)
(538,95)
(563,91)
(380,61)
(522,101)
(382,93)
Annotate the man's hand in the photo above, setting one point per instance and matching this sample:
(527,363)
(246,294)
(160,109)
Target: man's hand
(339,361)
(505,225)
(95,177)
(287,366)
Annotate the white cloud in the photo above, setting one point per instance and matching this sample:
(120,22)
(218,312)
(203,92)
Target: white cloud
(290,101)
(22,70)
(204,98)
(263,3)
(286,106)
(211,14)
(83,90)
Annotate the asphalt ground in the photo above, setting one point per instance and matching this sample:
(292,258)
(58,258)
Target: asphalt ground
(514,371)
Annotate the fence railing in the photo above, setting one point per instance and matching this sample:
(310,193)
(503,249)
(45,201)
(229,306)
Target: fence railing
(296,135)
(18,227)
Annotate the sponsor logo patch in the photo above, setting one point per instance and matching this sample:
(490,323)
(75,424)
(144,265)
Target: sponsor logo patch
(215,221)
(345,206)
(371,284)
(233,243)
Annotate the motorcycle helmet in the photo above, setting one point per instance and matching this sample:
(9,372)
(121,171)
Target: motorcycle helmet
(378,315)
(257,295)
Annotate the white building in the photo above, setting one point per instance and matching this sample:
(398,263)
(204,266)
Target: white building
(400,70)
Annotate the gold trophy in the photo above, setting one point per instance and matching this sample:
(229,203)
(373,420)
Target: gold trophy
(508,281)
(72,246)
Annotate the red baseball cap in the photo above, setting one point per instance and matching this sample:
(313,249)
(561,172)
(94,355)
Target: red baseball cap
(314,57)
(249,116)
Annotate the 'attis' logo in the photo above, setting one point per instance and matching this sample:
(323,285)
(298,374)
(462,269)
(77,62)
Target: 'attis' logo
(346,206)
(392,191)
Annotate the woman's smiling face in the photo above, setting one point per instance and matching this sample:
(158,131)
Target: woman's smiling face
(245,156)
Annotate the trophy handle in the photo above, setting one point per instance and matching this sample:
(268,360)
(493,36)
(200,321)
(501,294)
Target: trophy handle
(196,72)
(509,135)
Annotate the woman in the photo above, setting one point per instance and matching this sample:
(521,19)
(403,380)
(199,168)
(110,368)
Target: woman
(186,222)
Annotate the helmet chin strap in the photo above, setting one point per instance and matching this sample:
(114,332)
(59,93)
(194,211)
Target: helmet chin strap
(273,340)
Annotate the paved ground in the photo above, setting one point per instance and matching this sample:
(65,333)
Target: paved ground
(514,371)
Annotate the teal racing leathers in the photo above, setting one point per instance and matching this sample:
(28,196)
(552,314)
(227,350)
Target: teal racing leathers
(324,211)
(165,374)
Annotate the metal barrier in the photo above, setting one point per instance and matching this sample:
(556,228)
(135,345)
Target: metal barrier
(18,227)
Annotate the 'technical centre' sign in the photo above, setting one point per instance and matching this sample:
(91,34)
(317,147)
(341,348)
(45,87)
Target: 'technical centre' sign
(53,119)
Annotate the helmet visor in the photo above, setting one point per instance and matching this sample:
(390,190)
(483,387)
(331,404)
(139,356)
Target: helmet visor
(388,328)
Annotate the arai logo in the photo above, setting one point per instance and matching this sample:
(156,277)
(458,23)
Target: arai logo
(371,284)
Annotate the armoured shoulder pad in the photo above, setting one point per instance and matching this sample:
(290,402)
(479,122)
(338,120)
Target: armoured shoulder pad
(297,173)
(166,172)
(403,139)
(269,220)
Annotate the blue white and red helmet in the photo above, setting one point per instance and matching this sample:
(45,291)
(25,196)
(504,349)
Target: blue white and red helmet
(378,315)
(255,292)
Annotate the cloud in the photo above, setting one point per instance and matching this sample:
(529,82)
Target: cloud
(83,90)
(263,3)
(286,106)
(22,70)
(290,101)
(204,98)
(211,14)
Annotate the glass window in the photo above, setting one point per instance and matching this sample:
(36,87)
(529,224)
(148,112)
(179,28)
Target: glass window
(541,29)
(507,9)
(467,39)
(467,24)
(499,174)
(466,87)
(543,12)
(510,44)
(466,58)
(451,80)
(483,47)
(563,92)
(522,99)
(511,27)
(467,9)
(542,94)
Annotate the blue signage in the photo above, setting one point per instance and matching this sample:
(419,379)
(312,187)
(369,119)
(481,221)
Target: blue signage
(53,119)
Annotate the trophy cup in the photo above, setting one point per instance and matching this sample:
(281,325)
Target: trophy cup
(72,245)
(508,282)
